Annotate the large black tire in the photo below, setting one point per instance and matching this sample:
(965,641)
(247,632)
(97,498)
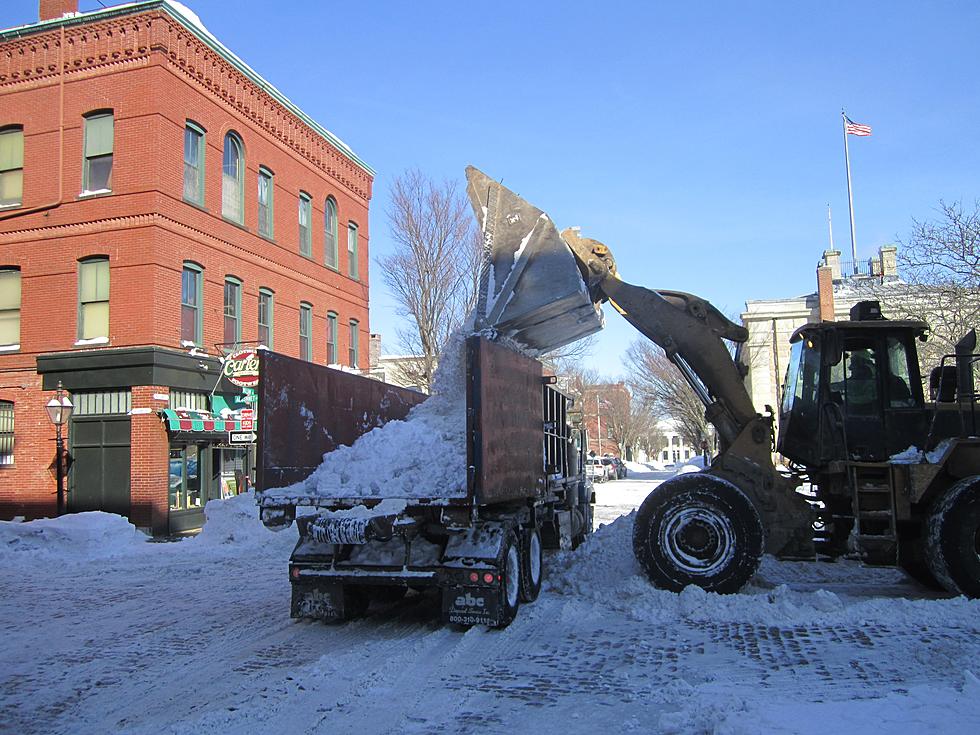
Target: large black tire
(510,580)
(532,564)
(698,529)
(952,542)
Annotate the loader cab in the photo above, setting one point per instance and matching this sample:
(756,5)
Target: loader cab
(852,390)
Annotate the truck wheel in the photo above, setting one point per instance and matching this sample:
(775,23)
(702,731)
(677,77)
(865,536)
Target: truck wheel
(953,538)
(510,580)
(698,529)
(532,565)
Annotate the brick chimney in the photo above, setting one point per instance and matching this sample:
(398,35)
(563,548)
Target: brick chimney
(825,292)
(374,351)
(51,9)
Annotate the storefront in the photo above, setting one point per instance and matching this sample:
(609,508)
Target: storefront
(158,433)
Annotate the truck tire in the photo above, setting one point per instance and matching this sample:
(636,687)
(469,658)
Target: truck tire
(953,538)
(510,580)
(532,564)
(698,529)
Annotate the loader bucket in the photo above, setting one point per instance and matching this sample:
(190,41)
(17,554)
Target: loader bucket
(531,288)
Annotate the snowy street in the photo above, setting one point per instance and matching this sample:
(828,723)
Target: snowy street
(104,632)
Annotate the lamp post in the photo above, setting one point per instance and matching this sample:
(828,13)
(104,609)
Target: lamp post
(59,411)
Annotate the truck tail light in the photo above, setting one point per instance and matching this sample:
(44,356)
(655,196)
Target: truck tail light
(488,578)
(474,577)
(294,572)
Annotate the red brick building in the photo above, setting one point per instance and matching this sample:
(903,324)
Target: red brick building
(160,204)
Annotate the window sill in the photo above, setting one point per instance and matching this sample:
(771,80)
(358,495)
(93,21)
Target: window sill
(308,257)
(96,193)
(197,205)
(333,268)
(268,238)
(239,225)
(15,205)
(9,348)
(91,342)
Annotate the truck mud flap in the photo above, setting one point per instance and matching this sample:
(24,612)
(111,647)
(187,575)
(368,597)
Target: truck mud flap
(471,605)
(320,601)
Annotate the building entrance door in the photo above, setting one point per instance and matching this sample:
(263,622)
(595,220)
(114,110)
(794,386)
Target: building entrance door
(99,476)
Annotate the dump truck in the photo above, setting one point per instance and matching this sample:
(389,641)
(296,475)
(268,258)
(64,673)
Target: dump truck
(476,541)
(892,473)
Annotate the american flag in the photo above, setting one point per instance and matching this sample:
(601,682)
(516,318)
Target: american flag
(854,128)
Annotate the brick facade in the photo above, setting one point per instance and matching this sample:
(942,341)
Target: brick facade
(155,72)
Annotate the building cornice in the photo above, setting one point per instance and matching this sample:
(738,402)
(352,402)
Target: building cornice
(138,30)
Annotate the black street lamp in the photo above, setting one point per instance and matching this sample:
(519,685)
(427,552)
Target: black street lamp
(59,411)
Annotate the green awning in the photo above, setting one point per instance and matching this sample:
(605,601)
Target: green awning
(198,422)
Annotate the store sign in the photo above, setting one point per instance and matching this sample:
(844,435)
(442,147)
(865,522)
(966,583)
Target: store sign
(242,368)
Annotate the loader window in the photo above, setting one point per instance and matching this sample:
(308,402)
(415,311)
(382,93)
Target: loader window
(861,380)
(899,393)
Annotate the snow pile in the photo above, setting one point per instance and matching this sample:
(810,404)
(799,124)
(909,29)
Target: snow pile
(914,455)
(423,456)
(76,537)
(650,465)
(236,521)
(603,571)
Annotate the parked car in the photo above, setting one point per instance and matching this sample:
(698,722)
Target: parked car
(610,468)
(595,470)
(620,467)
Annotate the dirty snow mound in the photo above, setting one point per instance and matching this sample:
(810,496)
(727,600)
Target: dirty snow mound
(78,537)
(423,456)
(234,521)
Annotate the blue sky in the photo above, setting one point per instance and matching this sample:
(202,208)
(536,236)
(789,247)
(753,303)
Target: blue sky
(701,141)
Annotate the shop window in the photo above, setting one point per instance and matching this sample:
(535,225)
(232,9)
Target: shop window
(191,296)
(233,179)
(11,166)
(97,172)
(305,214)
(266,192)
(6,433)
(305,330)
(188,400)
(352,267)
(93,298)
(234,477)
(266,305)
(330,233)
(194,163)
(233,312)
(331,338)
(185,478)
(9,308)
(352,352)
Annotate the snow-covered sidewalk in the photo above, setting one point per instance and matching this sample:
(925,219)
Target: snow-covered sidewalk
(104,632)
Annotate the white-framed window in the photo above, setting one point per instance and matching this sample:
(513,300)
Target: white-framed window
(97,169)
(191,297)
(266,192)
(266,316)
(305,215)
(352,266)
(232,312)
(330,256)
(194,163)
(93,298)
(11,166)
(9,307)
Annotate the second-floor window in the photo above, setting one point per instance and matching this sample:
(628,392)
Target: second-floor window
(191,290)
(305,330)
(233,179)
(330,233)
(11,166)
(353,349)
(265,202)
(233,312)
(352,268)
(266,305)
(305,212)
(331,338)
(93,298)
(9,307)
(194,163)
(97,173)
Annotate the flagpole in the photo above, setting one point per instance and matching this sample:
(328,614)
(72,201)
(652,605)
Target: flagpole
(850,195)
(830,226)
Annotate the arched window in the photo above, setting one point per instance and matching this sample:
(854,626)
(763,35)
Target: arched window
(232,312)
(266,316)
(330,233)
(233,179)
(191,298)
(194,163)
(9,308)
(305,215)
(93,298)
(266,191)
(11,166)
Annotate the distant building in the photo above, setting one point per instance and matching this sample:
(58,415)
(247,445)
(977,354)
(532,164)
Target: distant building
(599,405)
(160,205)
(675,450)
